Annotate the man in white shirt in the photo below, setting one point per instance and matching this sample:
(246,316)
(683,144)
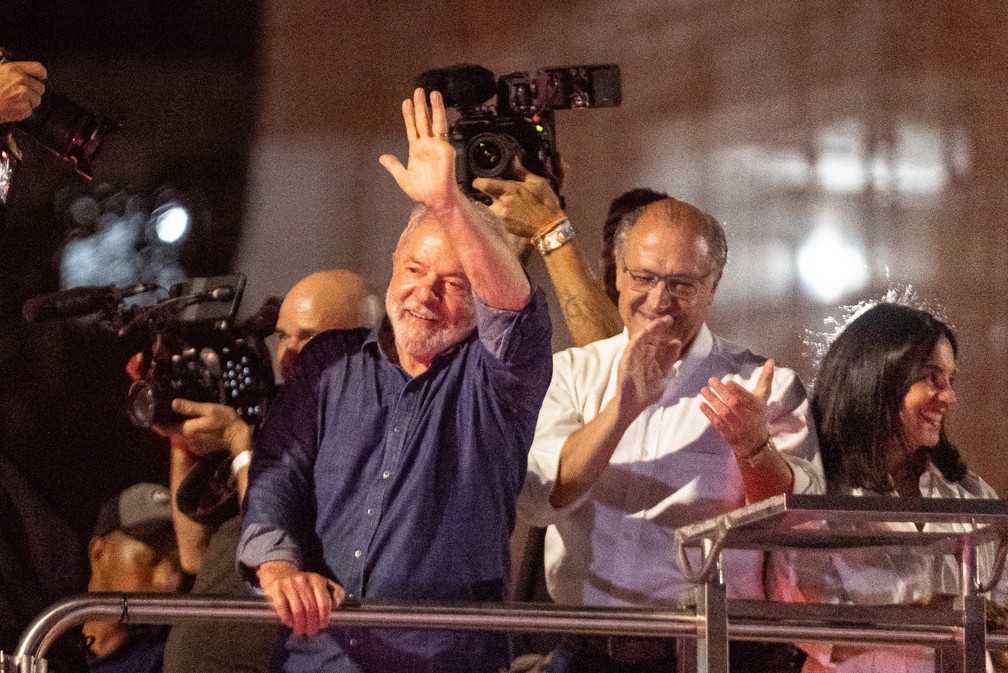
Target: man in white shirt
(660,426)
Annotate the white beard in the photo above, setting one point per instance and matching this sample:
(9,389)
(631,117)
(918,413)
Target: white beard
(423,340)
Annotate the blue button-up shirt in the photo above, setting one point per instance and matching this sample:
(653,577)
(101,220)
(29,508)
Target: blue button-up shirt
(400,488)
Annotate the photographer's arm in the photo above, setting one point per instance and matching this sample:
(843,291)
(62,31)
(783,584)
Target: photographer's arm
(208,428)
(492,268)
(22,84)
(211,428)
(192,537)
(532,210)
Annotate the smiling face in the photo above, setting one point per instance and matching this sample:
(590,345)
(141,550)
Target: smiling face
(669,244)
(929,399)
(429,299)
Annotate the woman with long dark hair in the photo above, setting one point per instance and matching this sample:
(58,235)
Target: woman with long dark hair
(884,390)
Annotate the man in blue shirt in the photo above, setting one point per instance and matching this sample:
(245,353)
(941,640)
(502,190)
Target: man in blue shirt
(390,463)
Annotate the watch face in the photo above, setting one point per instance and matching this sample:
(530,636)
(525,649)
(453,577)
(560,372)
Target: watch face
(562,233)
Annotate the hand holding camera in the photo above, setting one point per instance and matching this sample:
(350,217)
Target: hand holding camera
(518,122)
(22,84)
(527,204)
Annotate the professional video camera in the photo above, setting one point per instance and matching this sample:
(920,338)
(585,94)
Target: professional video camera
(190,347)
(489,135)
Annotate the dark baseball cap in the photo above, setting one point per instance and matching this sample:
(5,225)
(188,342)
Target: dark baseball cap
(142,511)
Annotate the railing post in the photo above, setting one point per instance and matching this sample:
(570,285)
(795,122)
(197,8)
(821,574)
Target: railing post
(969,652)
(712,608)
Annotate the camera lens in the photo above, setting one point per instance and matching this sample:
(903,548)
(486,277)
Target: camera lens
(140,404)
(489,154)
(69,130)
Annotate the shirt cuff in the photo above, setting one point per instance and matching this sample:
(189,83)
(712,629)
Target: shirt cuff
(260,544)
(495,326)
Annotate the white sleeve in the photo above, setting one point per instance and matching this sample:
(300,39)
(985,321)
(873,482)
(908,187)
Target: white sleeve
(789,421)
(558,419)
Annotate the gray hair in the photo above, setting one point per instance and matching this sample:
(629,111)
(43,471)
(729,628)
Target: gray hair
(417,215)
(705,224)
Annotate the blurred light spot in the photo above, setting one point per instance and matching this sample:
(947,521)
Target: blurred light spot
(84,210)
(119,240)
(920,160)
(172,223)
(829,266)
(841,163)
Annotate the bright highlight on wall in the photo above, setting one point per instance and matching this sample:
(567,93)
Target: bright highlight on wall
(829,266)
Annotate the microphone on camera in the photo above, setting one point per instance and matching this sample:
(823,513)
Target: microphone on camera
(78,301)
(463,86)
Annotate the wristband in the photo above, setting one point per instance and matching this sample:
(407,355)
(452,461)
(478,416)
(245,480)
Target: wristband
(756,456)
(549,226)
(561,234)
(241,461)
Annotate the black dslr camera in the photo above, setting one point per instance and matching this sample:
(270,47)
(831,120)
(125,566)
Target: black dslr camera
(191,348)
(488,135)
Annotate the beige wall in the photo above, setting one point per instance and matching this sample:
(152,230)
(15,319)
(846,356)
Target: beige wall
(885,121)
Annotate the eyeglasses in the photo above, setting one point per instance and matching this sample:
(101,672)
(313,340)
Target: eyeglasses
(678,285)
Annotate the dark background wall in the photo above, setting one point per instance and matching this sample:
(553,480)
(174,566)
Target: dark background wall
(181,80)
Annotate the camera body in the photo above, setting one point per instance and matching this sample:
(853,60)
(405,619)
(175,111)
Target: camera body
(518,122)
(486,145)
(194,352)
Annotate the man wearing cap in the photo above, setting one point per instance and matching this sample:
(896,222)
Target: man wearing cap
(132,550)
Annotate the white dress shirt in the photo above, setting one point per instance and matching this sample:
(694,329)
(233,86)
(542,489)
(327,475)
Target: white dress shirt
(614,545)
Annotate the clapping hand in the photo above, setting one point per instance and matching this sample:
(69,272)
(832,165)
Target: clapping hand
(738,414)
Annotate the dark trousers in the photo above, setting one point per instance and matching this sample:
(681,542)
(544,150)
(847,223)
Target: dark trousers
(613,655)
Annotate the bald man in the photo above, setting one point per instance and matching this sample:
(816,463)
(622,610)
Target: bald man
(334,299)
(659,426)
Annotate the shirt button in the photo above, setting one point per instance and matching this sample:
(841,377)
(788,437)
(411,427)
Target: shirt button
(370,511)
(353,642)
(350,596)
(395,429)
(357,553)
(385,474)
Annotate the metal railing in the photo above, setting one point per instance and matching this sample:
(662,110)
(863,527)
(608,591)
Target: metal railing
(748,620)
(957,631)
